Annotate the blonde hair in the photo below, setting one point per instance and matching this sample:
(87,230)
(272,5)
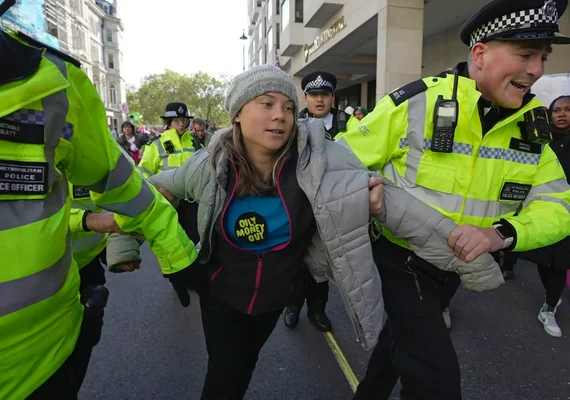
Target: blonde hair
(250,182)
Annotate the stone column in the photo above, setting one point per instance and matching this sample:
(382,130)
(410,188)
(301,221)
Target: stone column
(364,94)
(300,94)
(400,42)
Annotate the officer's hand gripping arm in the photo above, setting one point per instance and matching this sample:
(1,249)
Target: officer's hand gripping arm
(97,163)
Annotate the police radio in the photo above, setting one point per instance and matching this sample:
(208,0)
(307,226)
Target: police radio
(445,121)
(536,126)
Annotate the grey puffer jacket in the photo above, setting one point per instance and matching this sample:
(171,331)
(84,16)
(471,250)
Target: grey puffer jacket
(336,184)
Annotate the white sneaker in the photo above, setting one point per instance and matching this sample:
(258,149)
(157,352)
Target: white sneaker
(546,316)
(446,317)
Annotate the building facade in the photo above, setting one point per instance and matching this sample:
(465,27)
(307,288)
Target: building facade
(91,31)
(375,46)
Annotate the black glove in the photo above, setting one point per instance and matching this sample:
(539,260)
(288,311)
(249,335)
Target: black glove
(190,278)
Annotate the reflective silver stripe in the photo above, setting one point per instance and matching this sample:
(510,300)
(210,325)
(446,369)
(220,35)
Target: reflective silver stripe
(86,242)
(160,167)
(116,178)
(162,153)
(446,201)
(415,134)
(59,63)
(509,155)
(489,208)
(145,171)
(558,186)
(188,150)
(451,202)
(55,108)
(551,199)
(136,205)
(16,213)
(20,293)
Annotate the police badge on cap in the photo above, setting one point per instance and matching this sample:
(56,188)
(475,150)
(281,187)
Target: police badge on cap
(516,20)
(176,110)
(318,82)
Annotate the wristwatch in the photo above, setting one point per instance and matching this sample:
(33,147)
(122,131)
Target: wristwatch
(505,234)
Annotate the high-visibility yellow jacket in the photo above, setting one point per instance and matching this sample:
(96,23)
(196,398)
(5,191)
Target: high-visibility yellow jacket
(53,129)
(486,178)
(169,151)
(85,245)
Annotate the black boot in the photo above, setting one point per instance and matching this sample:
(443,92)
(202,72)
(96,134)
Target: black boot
(320,320)
(291,316)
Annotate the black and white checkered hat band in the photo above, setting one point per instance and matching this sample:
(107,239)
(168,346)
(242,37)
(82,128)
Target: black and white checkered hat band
(174,114)
(319,83)
(513,21)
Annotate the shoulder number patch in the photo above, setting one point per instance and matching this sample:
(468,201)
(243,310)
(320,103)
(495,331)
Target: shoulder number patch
(408,91)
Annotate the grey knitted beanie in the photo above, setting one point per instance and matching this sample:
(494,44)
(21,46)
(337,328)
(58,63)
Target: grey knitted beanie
(257,81)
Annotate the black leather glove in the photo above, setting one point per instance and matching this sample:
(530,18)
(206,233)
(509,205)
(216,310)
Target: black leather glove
(190,278)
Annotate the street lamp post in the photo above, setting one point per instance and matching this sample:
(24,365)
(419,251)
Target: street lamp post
(243,38)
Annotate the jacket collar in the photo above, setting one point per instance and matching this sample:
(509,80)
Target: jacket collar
(24,60)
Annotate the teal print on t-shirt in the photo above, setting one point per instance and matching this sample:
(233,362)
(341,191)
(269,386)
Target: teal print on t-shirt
(257,223)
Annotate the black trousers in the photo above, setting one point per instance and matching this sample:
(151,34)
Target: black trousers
(233,341)
(66,382)
(93,273)
(553,282)
(188,219)
(316,294)
(415,345)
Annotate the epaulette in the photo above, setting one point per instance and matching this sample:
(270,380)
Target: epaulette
(408,91)
(153,139)
(64,56)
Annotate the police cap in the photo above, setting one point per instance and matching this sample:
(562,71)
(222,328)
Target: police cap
(516,20)
(176,110)
(318,82)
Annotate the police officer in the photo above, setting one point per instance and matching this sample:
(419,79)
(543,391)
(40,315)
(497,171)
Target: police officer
(170,150)
(47,137)
(319,88)
(470,143)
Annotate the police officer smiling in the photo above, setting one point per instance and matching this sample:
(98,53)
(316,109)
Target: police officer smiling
(471,144)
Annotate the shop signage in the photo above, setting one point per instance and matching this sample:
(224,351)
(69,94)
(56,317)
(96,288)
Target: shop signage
(324,37)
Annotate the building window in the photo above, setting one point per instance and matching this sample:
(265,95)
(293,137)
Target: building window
(298,10)
(261,55)
(270,39)
(258,3)
(109,36)
(285,14)
(113,94)
(277,36)
(260,30)
(111,61)
(276,6)
(269,9)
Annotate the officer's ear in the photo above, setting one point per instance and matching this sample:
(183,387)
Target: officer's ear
(237,118)
(478,52)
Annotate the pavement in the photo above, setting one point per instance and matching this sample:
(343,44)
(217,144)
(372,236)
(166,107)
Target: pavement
(153,349)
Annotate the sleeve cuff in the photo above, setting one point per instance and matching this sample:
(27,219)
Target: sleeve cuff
(512,232)
(84,221)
